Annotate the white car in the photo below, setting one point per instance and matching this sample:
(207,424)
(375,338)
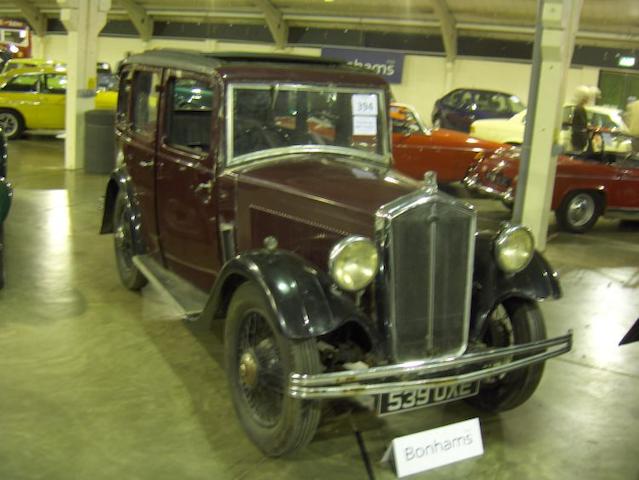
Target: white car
(608,119)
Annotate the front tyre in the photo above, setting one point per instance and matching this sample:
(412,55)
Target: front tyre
(259,360)
(123,229)
(12,123)
(512,322)
(578,211)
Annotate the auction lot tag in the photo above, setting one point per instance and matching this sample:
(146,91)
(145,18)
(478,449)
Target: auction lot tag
(433,448)
(364,104)
(364,125)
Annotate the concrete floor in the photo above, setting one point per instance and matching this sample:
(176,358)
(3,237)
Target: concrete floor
(97,382)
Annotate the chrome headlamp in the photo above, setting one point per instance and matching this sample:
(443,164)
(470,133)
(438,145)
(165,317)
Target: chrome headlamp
(514,248)
(353,263)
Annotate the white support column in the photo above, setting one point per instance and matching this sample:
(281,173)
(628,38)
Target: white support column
(449,36)
(141,20)
(449,75)
(38,22)
(560,19)
(33,15)
(83,19)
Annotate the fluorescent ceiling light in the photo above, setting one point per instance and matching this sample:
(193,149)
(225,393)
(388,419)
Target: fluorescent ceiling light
(626,61)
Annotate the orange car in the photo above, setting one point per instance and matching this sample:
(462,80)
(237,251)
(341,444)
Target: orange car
(418,149)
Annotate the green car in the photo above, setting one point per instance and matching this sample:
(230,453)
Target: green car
(5,200)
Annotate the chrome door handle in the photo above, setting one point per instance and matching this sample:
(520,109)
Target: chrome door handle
(144,164)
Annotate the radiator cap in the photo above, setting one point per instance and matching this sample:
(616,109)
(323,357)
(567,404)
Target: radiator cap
(430,180)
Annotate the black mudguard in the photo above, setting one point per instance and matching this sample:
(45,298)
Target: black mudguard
(491,285)
(121,181)
(301,297)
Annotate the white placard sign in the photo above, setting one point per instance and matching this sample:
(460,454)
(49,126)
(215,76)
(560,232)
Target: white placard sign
(364,104)
(433,448)
(364,125)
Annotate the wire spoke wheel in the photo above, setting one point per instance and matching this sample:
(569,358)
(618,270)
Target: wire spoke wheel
(259,360)
(130,276)
(512,322)
(260,370)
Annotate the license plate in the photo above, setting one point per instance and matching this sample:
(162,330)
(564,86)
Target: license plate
(388,403)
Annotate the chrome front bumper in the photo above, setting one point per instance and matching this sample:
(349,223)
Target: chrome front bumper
(471,182)
(426,373)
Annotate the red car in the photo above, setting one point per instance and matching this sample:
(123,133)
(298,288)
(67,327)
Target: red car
(417,149)
(584,188)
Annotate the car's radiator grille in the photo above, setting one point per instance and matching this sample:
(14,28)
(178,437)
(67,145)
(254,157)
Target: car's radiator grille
(428,253)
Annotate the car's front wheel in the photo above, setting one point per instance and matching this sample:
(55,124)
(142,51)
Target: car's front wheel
(578,211)
(12,123)
(130,276)
(512,322)
(259,360)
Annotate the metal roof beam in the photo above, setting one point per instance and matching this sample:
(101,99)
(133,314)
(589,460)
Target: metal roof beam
(141,20)
(33,15)
(448,26)
(275,21)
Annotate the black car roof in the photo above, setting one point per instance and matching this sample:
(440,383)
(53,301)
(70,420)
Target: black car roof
(208,62)
(462,89)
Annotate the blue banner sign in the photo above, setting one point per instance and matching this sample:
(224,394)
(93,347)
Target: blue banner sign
(387,64)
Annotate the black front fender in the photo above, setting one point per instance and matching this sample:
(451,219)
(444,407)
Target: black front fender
(300,296)
(120,181)
(491,285)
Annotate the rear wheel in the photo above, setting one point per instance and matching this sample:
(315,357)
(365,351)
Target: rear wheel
(512,322)
(12,123)
(259,360)
(578,211)
(130,276)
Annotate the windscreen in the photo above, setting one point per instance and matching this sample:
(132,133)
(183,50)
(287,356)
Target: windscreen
(266,118)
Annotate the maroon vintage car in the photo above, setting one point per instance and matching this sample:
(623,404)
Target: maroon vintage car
(333,275)
(418,149)
(586,186)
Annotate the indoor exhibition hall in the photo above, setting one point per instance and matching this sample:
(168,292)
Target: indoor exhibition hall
(329,239)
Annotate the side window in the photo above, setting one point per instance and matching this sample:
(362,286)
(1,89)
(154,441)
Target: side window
(124,93)
(145,102)
(466,99)
(188,116)
(453,99)
(22,83)
(55,83)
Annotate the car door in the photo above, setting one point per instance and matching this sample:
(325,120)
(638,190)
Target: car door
(136,133)
(53,89)
(186,204)
(629,183)
(21,93)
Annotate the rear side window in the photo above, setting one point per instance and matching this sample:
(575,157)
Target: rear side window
(55,83)
(188,116)
(22,83)
(145,102)
(124,92)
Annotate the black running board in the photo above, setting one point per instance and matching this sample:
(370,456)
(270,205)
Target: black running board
(186,297)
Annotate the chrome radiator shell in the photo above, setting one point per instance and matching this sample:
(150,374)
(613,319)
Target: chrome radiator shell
(427,243)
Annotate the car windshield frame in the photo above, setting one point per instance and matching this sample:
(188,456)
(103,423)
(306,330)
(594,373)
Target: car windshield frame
(233,161)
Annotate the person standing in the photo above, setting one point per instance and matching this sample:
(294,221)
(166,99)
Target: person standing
(579,133)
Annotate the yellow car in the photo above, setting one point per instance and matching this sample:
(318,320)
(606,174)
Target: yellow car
(35,99)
